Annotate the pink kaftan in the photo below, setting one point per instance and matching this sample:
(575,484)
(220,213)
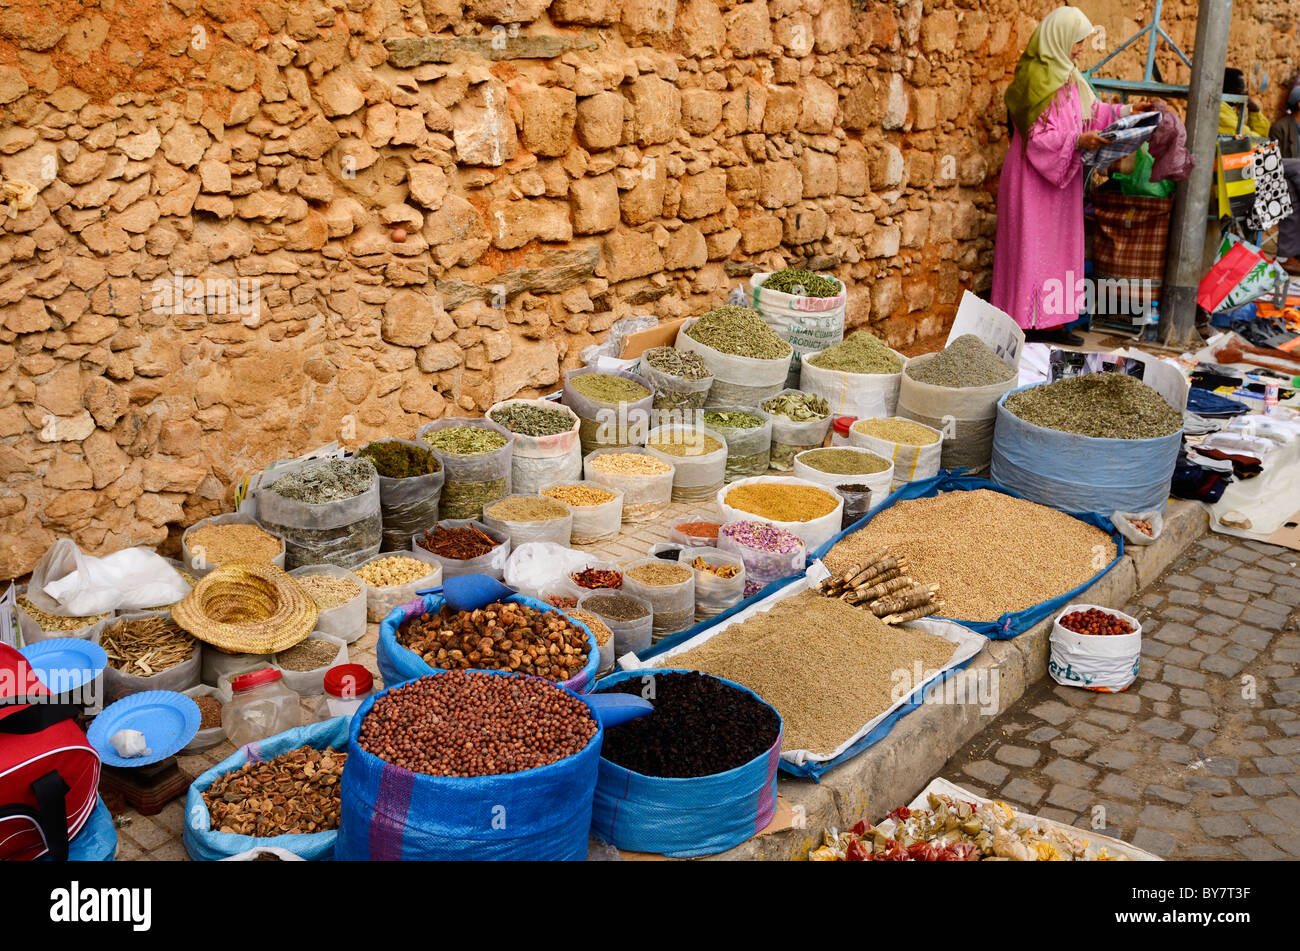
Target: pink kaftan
(1038,258)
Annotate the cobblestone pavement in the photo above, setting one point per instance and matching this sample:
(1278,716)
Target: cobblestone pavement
(1200,758)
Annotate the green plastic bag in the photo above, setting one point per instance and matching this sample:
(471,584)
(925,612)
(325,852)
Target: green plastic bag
(1139,182)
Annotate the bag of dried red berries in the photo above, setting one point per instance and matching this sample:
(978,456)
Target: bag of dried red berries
(1095,648)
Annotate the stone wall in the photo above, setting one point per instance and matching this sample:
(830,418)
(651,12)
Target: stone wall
(260,226)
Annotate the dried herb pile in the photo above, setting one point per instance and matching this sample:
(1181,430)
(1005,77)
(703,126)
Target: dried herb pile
(739,331)
(1104,405)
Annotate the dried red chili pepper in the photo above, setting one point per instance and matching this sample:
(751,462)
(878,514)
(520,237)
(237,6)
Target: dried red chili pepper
(459,544)
(597,578)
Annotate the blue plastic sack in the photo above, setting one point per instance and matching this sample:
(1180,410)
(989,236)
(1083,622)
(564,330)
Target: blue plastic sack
(683,818)
(204,844)
(1011,623)
(393,814)
(398,664)
(1076,473)
(96,840)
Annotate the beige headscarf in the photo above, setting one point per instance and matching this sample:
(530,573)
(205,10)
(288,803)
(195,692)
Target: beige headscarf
(1046,66)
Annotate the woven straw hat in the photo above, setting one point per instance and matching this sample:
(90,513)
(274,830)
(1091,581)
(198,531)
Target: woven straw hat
(247,607)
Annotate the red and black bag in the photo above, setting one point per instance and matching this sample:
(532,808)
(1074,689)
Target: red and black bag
(49,773)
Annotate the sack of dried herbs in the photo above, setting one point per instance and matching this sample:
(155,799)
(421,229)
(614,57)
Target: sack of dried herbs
(804,307)
(748,359)
(748,433)
(614,408)
(681,379)
(548,448)
(799,421)
(410,486)
(476,457)
(859,376)
(327,512)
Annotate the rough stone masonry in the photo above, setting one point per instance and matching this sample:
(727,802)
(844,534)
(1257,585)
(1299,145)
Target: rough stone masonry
(260,226)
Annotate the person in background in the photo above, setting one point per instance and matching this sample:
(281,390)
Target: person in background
(1286,132)
(1234,84)
(1055,115)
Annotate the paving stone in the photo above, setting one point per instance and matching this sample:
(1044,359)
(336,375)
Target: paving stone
(1152,599)
(1207,643)
(1287,809)
(146,833)
(1215,623)
(1122,786)
(1089,731)
(1234,804)
(1176,753)
(1287,656)
(1220,766)
(1110,719)
(1182,657)
(1255,586)
(1259,850)
(1287,696)
(1241,652)
(1213,572)
(1156,691)
(1184,582)
(1021,756)
(1023,791)
(1290,727)
(1181,677)
(1202,719)
(1191,697)
(1171,632)
(1273,607)
(1288,596)
(1265,823)
(1151,669)
(1069,797)
(1268,620)
(1154,841)
(1274,765)
(986,772)
(1214,543)
(1071,746)
(1221,665)
(1112,758)
(1162,817)
(1165,729)
(1232,594)
(1059,815)
(1042,734)
(1222,606)
(1184,597)
(1255,732)
(1219,827)
(1069,772)
(1161,709)
(1206,852)
(1262,785)
(1290,842)
(1168,794)
(1072,695)
(1181,615)
(1201,739)
(1053,711)
(1211,784)
(1286,683)
(1275,565)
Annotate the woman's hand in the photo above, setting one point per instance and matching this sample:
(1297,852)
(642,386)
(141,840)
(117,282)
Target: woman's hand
(1090,142)
(1146,106)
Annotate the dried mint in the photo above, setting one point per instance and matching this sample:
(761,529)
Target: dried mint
(859,352)
(739,331)
(967,361)
(465,440)
(802,283)
(399,460)
(528,420)
(1103,405)
(607,388)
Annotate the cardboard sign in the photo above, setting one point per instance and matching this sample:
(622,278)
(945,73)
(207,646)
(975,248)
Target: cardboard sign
(994,327)
(663,334)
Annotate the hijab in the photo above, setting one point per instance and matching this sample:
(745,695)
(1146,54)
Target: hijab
(1046,66)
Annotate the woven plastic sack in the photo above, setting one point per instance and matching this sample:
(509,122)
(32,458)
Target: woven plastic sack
(346,533)
(737,381)
(965,415)
(311,683)
(682,818)
(789,438)
(594,523)
(1102,663)
(398,664)
(408,505)
(645,497)
(695,478)
(474,480)
(539,461)
(878,482)
(713,595)
(749,451)
(853,394)
(808,324)
(205,844)
(556,530)
(393,814)
(673,604)
(911,463)
(380,601)
(673,392)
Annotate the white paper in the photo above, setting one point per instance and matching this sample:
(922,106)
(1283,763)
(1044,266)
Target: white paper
(993,326)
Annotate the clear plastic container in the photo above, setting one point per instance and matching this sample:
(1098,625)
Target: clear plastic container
(789,438)
(310,683)
(857,501)
(260,706)
(713,595)
(645,497)
(345,532)
(673,392)
(840,430)
(673,604)
(381,600)
(491,563)
(749,451)
(410,504)
(763,566)
(347,620)
(193,560)
(218,664)
(346,687)
(629,636)
(594,523)
(696,478)
(557,531)
(609,425)
(471,481)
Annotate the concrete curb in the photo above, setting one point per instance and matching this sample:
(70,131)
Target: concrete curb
(890,773)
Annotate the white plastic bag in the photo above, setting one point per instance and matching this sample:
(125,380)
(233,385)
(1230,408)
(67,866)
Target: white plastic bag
(594,523)
(911,463)
(380,601)
(345,532)
(539,461)
(645,497)
(489,563)
(813,532)
(965,414)
(609,425)
(1105,663)
(808,324)
(853,394)
(179,677)
(673,604)
(219,665)
(556,530)
(878,482)
(1123,522)
(737,381)
(32,632)
(749,451)
(695,478)
(67,581)
(791,437)
(311,683)
(537,565)
(347,620)
(713,594)
(471,480)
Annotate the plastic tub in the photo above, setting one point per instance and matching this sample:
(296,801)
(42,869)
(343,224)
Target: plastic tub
(1103,663)
(763,566)
(594,523)
(410,504)
(911,463)
(345,532)
(645,497)
(713,595)
(491,563)
(118,684)
(629,637)
(744,381)
(539,461)
(219,666)
(381,600)
(696,477)
(347,620)
(965,414)
(789,437)
(194,562)
(558,530)
(471,480)
(311,683)
(204,739)
(609,425)
(813,531)
(749,451)
(878,482)
(673,604)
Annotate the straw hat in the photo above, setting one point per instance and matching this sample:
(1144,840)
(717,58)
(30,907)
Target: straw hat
(247,607)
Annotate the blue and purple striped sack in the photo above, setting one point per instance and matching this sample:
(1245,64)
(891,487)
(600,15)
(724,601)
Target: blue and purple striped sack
(398,664)
(392,814)
(682,818)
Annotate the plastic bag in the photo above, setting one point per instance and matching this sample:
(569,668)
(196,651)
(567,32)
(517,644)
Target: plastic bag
(911,463)
(1103,663)
(537,565)
(878,482)
(619,330)
(966,415)
(471,481)
(556,531)
(814,531)
(539,461)
(346,533)
(853,394)
(1123,522)
(749,451)
(529,476)
(311,683)
(737,381)
(410,504)
(673,604)
(490,563)
(808,324)
(347,620)
(629,637)
(790,437)
(713,594)
(609,425)
(1138,182)
(645,497)
(118,684)
(762,567)
(381,600)
(857,502)
(695,478)
(673,392)
(67,581)
(32,632)
(594,523)
(195,560)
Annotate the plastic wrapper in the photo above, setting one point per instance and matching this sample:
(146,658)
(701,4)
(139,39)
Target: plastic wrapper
(911,463)
(491,563)
(674,392)
(673,604)
(213,735)
(619,330)
(193,560)
(1123,522)
(539,461)
(695,478)
(808,324)
(737,381)
(645,497)
(408,505)
(965,414)
(853,394)
(67,581)
(381,601)
(790,438)
(857,503)
(594,523)
(538,565)
(471,481)
(346,533)
(219,667)
(713,595)
(118,684)
(762,567)
(557,531)
(311,683)
(609,425)
(629,637)
(749,451)
(879,483)
(347,620)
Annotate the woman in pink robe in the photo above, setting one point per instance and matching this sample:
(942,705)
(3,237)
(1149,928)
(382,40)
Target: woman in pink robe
(1038,257)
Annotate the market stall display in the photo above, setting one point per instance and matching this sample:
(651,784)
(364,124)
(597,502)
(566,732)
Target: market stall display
(915,449)
(846,465)
(410,487)
(476,457)
(37,625)
(698,457)
(245,607)
(597,511)
(680,379)
(464,547)
(613,408)
(669,589)
(303,666)
(530,518)
(719,579)
(748,434)
(232,537)
(858,376)
(805,308)
(547,446)
(803,508)
(645,480)
(695,777)
(391,580)
(1095,443)
(749,361)
(799,421)
(1096,648)
(148,651)
(326,512)
(768,552)
(629,619)
(340,599)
